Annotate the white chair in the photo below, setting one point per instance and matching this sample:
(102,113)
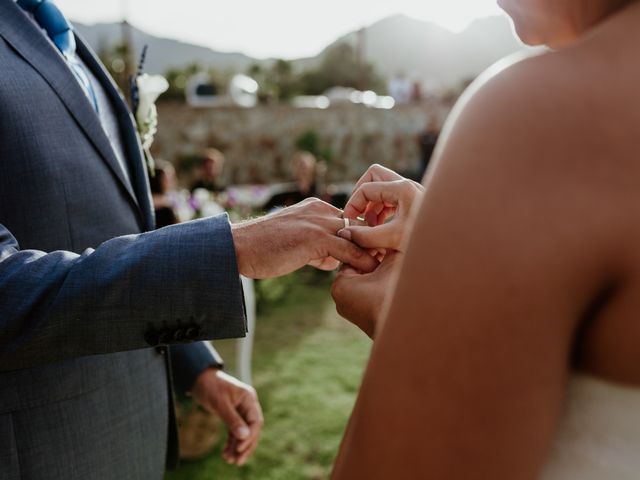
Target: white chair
(244,347)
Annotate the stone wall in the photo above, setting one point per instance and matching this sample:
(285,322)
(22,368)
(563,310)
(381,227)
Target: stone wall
(259,142)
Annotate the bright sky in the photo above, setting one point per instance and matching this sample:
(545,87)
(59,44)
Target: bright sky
(269,28)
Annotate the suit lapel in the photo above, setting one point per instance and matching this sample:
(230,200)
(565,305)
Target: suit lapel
(139,175)
(30,43)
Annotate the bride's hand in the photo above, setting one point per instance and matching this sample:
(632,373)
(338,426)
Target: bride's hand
(361,298)
(380,194)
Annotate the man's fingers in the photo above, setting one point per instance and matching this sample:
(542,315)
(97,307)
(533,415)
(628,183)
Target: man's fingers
(381,237)
(244,445)
(252,413)
(332,226)
(242,458)
(229,454)
(349,253)
(235,423)
(247,447)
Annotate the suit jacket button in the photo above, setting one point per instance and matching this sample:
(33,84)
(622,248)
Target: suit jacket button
(192,333)
(165,337)
(179,335)
(152,337)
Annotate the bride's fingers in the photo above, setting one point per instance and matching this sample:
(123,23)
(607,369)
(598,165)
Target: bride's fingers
(387,236)
(380,254)
(371,216)
(378,213)
(385,214)
(378,173)
(380,195)
(349,271)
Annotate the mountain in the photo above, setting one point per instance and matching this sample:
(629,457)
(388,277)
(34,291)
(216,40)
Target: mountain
(399,44)
(163,53)
(427,52)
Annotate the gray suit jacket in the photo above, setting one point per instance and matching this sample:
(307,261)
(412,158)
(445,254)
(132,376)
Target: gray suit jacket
(84,294)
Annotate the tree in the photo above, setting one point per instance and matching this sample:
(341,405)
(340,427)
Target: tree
(340,66)
(178,78)
(277,82)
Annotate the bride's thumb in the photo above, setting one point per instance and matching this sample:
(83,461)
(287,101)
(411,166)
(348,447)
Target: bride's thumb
(383,236)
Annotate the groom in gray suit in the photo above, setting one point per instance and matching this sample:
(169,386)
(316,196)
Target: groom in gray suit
(100,316)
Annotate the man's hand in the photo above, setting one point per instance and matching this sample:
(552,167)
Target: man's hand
(362,298)
(304,234)
(238,406)
(380,194)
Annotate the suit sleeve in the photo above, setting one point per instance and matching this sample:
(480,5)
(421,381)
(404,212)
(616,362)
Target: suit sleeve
(175,285)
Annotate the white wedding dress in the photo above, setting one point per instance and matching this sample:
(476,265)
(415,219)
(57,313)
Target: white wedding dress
(599,435)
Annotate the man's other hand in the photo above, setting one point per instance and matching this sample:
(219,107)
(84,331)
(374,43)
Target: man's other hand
(238,406)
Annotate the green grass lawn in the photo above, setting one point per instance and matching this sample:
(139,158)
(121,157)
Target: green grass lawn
(308,364)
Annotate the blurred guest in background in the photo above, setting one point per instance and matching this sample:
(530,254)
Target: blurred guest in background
(162,183)
(400,88)
(210,172)
(416,92)
(305,167)
(427,141)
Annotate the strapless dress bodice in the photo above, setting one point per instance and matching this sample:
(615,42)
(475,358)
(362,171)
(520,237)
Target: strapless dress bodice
(599,434)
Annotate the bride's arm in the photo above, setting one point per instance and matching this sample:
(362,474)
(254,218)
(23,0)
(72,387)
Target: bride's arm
(510,245)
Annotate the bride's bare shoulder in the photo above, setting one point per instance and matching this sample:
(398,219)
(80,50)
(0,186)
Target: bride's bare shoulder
(537,140)
(523,98)
(551,110)
(566,99)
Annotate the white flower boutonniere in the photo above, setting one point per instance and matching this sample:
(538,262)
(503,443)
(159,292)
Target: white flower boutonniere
(145,90)
(149,88)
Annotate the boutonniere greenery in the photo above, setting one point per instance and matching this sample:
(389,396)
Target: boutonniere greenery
(145,90)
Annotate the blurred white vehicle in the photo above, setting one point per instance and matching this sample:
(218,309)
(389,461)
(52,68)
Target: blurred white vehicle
(338,95)
(311,101)
(201,91)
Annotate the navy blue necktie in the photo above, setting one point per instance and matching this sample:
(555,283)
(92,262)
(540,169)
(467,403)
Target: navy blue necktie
(51,19)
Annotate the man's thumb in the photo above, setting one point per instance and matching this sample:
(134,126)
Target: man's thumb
(242,432)
(235,423)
